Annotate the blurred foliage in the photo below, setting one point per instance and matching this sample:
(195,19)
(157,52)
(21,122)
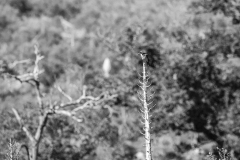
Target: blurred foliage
(193,61)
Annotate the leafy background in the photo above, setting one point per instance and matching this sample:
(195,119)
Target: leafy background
(193,57)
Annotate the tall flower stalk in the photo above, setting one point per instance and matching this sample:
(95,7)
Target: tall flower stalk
(12,153)
(146,99)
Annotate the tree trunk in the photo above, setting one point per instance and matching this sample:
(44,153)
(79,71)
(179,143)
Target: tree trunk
(34,152)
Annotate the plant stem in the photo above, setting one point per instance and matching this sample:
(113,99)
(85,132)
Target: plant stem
(145,113)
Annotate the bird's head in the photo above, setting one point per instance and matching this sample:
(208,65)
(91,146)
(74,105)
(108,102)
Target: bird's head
(143,54)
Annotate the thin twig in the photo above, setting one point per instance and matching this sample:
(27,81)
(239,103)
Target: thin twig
(64,94)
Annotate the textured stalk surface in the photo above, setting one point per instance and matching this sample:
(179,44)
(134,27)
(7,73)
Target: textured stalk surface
(145,98)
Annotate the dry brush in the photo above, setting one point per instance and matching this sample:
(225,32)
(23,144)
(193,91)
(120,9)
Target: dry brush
(69,108)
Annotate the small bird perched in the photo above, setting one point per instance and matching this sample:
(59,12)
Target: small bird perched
(106,67)
(143,54)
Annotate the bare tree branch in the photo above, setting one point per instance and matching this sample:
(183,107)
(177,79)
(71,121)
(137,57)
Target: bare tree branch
(80,99)
(15,63)
(26,148)
(43,121)
(39,57)
(82,102)
(64,94)
(90,101)
(24,127)
(69,114)
(39,96)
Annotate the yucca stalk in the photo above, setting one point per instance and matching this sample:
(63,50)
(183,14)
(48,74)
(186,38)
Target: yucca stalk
(12,153)
(222,155)
(145,100)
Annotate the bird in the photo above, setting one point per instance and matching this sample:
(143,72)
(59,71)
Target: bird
(143,54)
(106,67)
